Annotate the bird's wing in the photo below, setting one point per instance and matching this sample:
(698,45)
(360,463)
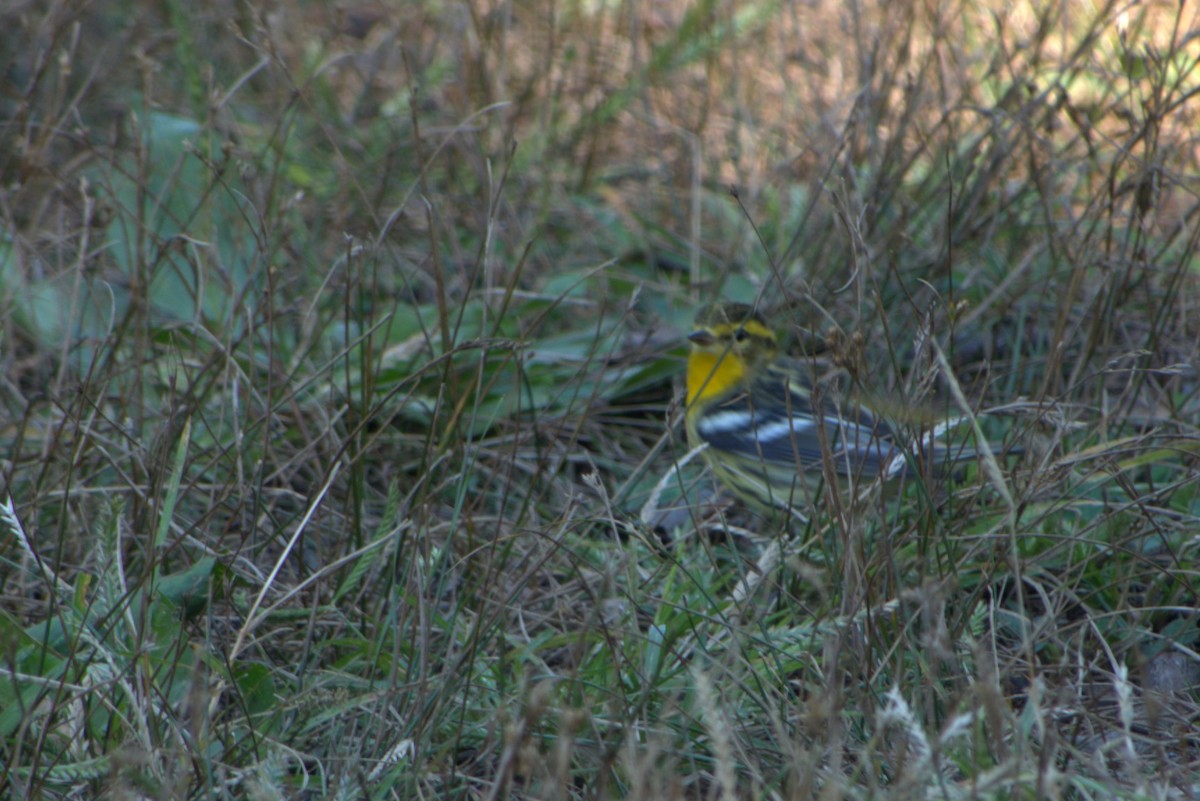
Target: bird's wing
(780,421)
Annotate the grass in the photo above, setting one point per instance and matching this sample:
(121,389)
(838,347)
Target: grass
(341,354)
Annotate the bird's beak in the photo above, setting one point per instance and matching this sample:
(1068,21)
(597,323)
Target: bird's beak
(702,337)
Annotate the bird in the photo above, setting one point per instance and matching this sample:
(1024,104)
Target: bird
(773,436)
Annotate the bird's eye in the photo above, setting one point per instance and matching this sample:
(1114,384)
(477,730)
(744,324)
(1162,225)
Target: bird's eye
(740,335)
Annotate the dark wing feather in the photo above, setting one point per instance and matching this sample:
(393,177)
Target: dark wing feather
(776,423)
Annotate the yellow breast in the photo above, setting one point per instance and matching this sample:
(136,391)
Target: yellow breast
(712,374)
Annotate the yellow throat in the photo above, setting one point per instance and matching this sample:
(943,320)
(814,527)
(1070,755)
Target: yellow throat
(712,373)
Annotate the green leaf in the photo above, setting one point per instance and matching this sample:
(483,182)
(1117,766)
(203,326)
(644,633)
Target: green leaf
(189,589)
(256,686)
(182,217)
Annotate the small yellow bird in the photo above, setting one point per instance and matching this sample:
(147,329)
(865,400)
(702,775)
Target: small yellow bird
(771,438)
